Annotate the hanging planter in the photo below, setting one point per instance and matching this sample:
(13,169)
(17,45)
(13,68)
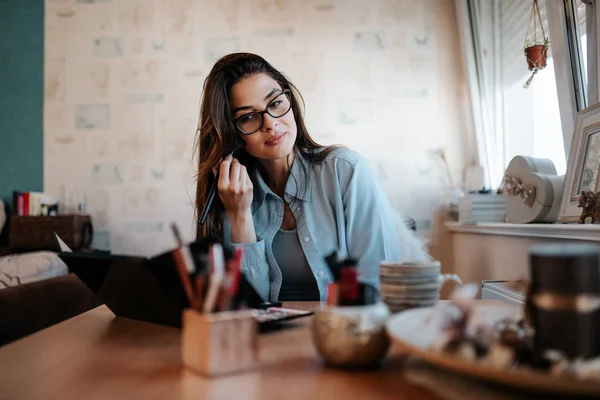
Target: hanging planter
(536,43)
(536,56)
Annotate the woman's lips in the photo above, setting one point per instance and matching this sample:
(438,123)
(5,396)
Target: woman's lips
(276,139)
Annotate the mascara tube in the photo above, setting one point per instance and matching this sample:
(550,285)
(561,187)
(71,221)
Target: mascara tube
(333,294)
(333,289)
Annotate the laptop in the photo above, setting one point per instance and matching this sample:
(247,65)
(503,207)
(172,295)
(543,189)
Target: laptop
(150,290)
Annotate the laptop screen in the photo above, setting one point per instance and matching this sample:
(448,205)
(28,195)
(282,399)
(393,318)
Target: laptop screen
(62,246)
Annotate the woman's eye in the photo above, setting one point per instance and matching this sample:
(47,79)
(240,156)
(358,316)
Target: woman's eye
(276,103)
(247,118)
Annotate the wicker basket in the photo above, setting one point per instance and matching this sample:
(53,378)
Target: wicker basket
(38,232)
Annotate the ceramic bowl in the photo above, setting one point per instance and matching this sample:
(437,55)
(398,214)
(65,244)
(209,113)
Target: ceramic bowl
(352,337)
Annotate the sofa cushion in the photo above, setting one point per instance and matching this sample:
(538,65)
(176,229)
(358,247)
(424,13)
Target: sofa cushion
(23,268)
(31,307)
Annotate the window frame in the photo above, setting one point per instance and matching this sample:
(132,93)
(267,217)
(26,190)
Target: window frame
(593,33)
(563,29)
(575,53)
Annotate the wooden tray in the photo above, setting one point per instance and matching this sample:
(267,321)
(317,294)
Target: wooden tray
(412,330)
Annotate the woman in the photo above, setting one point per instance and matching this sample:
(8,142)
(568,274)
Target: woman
(290,202)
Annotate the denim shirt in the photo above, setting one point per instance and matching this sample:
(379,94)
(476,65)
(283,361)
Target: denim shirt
(338,205)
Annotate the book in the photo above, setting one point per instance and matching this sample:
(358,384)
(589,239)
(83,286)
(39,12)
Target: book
(34,204)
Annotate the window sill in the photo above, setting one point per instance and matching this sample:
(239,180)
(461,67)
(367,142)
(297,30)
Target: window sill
(553,231)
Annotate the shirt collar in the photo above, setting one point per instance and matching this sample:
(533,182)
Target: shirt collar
(297,186)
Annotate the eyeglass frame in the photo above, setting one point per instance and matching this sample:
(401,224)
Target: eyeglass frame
(263,112)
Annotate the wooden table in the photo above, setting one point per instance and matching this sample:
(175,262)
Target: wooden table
(99,356)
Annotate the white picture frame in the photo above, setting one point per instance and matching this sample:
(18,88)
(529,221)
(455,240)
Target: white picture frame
(583,164)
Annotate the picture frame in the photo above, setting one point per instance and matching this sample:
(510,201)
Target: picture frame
(583,164)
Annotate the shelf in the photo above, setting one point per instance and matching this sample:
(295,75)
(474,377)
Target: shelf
(554,231)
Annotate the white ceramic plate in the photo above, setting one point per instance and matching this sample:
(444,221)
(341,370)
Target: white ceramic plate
(410,289)
(412,331)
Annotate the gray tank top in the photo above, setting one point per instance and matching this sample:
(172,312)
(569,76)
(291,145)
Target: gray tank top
(299,283)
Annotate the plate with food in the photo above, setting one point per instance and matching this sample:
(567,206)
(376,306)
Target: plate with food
(489,340)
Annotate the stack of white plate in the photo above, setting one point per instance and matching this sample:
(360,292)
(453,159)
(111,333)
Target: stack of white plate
(413,285)
(478,208)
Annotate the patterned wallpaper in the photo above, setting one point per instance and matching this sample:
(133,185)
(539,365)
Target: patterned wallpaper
(123,80)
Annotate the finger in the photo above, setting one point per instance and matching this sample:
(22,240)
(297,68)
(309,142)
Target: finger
(249,183)
(243,174)
(224,174)
(234,173)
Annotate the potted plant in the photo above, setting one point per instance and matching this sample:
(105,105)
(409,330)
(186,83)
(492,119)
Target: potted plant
(536,43)
(536,53)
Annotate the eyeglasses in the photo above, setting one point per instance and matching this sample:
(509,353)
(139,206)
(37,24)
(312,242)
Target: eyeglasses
(277,108)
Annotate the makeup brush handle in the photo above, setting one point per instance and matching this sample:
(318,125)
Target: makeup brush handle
(209,200)
(213,189)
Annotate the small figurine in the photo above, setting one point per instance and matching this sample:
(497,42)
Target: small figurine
(588,201)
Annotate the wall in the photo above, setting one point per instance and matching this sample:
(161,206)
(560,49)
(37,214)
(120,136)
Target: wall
(21,98)
(123,82)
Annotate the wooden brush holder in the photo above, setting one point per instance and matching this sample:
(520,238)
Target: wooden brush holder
(219,343)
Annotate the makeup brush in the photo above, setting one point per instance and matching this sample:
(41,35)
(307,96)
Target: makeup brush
(183,268)
(213,187)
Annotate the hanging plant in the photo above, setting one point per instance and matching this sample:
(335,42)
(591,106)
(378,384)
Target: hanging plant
(536,43)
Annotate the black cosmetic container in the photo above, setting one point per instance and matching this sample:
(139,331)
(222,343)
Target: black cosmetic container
(563,301)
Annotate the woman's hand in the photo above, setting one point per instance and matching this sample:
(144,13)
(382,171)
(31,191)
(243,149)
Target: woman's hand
(235,187)
(235,191)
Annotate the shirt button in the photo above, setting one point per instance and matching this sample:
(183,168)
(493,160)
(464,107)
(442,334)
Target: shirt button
(306,239)
(321,273)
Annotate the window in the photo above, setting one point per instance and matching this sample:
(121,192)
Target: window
(510,120)
(575,14)
(547,130)
(531,117)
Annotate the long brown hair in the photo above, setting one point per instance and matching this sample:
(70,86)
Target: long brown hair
(217,135)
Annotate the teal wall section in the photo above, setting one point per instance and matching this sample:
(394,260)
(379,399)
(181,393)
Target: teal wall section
(21,98)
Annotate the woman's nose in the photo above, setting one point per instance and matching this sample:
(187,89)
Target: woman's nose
(269,123)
